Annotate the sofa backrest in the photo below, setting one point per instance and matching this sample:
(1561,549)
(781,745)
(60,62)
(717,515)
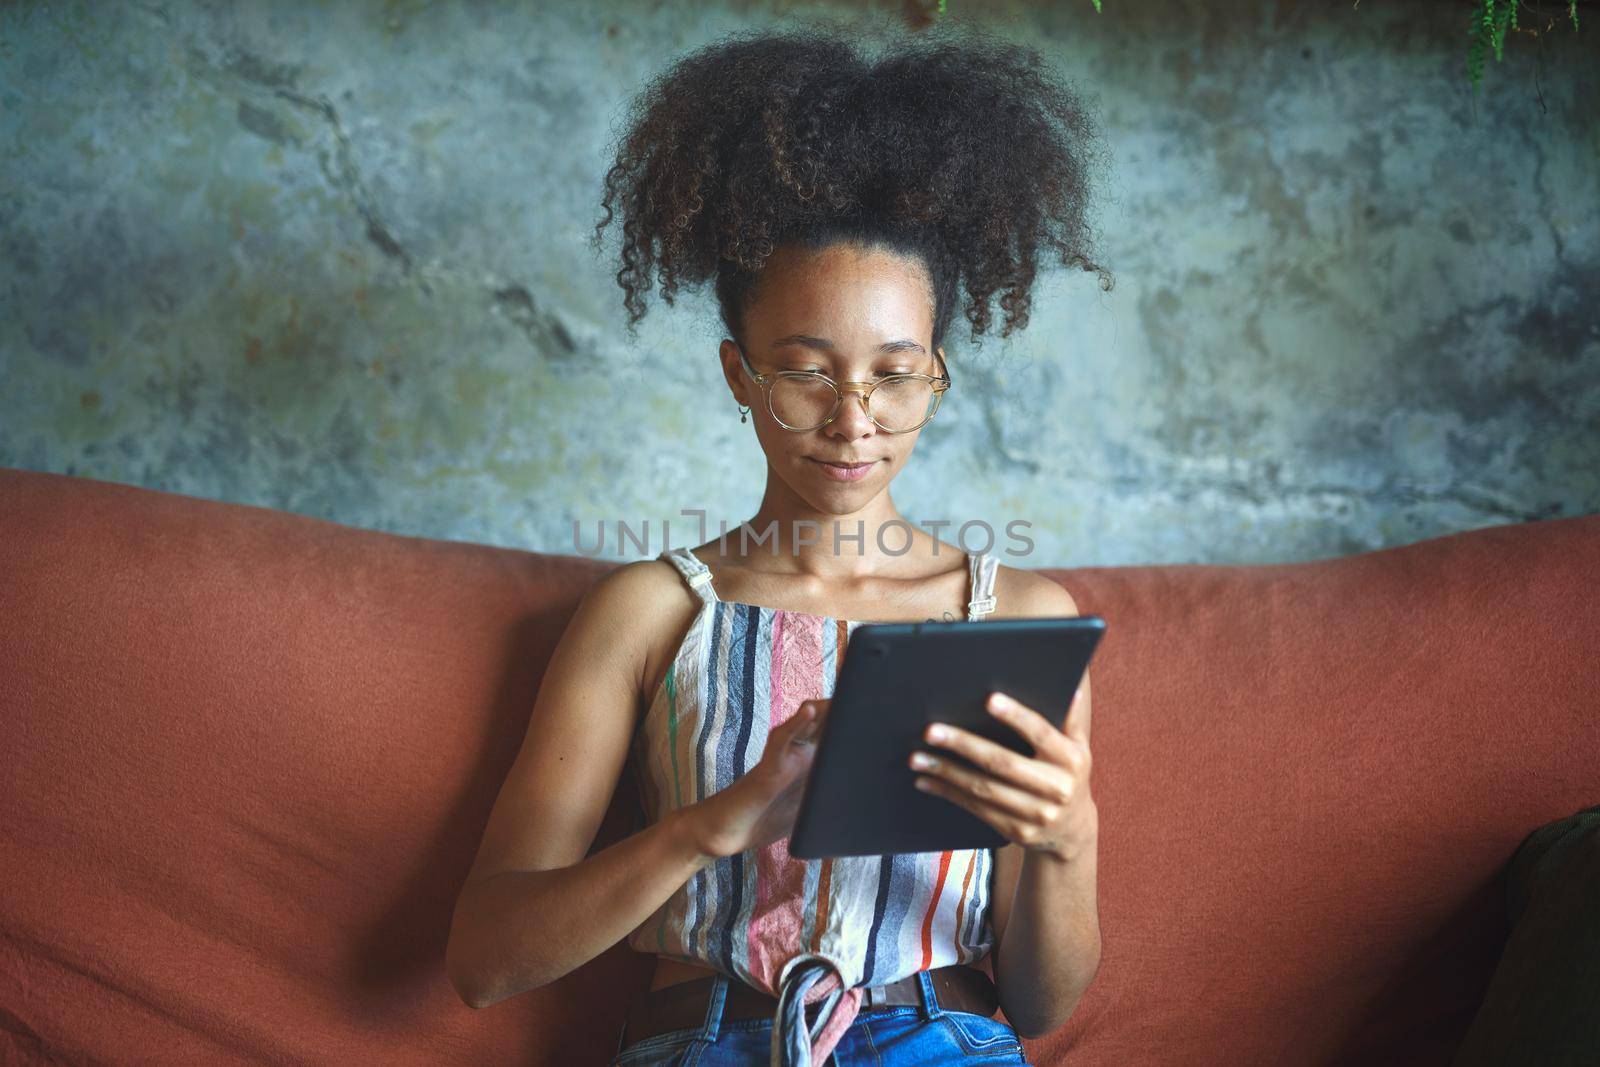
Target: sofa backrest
(248,757)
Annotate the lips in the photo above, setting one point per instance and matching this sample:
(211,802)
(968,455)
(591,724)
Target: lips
(841,472)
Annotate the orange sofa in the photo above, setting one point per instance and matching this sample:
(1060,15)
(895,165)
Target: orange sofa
(247,757)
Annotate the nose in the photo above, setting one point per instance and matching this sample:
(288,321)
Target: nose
(852,420)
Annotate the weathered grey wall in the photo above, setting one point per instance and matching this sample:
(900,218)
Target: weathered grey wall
(332,258)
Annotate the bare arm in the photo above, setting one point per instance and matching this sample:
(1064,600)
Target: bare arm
(1045,910)
(1053,951)
(522,929)
(533,908)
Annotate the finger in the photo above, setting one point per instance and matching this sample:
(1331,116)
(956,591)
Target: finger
(1035,729)
(1042,805)
(1013,828)
(804,723)
(818,707)
(1024,772)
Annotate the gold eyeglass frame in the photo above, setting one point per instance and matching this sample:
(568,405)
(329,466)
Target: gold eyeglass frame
(941,382)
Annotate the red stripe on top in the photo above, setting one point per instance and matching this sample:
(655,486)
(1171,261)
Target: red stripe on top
(933,906)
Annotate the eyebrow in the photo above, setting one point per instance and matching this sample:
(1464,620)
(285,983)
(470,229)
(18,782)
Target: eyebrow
(822,344)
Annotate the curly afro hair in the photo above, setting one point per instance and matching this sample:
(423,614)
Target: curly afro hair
(960,151)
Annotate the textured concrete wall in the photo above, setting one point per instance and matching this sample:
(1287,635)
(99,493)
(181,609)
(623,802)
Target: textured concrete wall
(331,258)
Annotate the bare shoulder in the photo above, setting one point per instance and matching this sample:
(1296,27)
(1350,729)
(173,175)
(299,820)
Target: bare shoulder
(1019,591)
(637,596)
(645,605)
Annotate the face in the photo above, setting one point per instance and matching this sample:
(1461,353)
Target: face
(848,302)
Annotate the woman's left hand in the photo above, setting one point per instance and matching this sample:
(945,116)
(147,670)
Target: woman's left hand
(1040,802)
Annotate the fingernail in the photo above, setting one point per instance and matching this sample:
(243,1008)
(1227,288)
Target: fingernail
(936,733)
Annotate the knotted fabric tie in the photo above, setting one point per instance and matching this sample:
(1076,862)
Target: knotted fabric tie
(793,1045)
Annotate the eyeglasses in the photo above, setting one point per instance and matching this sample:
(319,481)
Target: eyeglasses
(806,400)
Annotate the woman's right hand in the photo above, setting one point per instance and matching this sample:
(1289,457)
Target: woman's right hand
(761,806)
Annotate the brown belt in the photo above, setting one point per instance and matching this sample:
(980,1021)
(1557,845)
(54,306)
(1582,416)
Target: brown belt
(683,1005)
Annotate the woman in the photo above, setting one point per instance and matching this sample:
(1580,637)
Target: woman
(840,204)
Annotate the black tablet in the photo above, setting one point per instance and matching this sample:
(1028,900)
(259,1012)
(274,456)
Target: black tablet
(897,678)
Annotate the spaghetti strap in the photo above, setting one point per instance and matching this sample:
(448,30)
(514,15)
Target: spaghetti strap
(696,573)
(981,571)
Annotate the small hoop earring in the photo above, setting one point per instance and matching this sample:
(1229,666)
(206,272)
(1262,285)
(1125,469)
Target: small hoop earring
(743,412)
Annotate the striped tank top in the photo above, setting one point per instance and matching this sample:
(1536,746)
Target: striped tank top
(800,930)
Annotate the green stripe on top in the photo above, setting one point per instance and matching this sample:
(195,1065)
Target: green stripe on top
(677,792)
(672,733)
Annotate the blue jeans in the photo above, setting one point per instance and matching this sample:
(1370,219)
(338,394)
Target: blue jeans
(903,1034)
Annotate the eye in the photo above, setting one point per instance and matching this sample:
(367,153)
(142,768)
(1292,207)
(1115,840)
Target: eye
(875,374)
